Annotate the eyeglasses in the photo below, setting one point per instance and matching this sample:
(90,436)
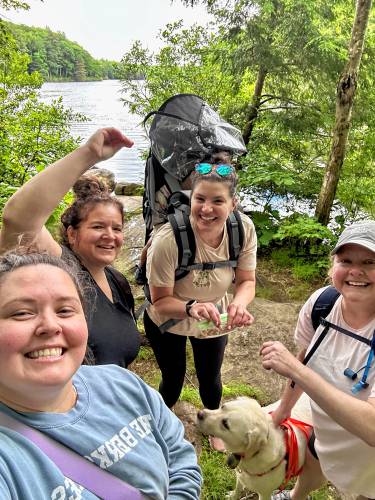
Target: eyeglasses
(222,170)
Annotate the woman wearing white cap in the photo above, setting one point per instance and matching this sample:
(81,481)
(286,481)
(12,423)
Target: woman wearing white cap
(339,375)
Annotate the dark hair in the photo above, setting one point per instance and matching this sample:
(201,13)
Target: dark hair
(230,180)
(26,257)
(89,191)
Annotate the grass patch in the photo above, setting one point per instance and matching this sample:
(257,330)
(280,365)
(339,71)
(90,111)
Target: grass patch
(191,395)
(230,391)
(236,389)
(145,353)
(218,479)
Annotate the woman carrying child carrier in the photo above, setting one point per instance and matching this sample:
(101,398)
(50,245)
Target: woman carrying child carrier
(202,294)
(339,375)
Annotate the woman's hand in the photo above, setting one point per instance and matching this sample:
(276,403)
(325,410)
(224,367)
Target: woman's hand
(205,310)
(105,143)
(279,415)
(276,357)
(238,315)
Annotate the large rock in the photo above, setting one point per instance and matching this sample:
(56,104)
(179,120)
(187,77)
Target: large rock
(105,175)
(128,189)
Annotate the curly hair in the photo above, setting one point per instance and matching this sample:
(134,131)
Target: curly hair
(89,191)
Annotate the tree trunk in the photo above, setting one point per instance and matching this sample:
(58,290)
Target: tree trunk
(344,103)
(254,106)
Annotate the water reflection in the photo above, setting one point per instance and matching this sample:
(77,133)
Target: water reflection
(100,102)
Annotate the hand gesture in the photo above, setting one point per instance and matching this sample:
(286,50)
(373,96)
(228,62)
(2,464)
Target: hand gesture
(238,316)
(276,357)
(205,310)
(106,142)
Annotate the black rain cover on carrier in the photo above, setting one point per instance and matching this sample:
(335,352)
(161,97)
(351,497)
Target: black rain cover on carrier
(186,130)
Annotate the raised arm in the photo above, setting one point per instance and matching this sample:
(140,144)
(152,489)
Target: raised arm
(28,209)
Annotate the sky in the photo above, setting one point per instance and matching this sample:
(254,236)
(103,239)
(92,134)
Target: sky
(107,28)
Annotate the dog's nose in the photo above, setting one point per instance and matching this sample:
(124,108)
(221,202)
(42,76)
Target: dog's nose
(200,415)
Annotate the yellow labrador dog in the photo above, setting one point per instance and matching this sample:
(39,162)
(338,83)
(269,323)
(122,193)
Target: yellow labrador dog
(250,435)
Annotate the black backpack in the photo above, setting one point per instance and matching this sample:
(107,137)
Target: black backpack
(178,216)
(323,305)
(183,131)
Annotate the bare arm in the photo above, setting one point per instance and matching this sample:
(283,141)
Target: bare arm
(244,293)
(28,209)
(356,416)
(289,397)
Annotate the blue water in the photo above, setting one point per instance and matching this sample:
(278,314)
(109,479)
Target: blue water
(100,102)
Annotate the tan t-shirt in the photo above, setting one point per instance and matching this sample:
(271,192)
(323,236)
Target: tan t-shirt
(347,461)
(203,286)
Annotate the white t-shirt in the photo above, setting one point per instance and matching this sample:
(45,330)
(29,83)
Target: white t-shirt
(347,461)
(204,286)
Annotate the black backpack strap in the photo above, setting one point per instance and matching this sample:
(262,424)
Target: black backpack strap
(185,241)
(317,343)
(235,235)
(323,305)
(124,286)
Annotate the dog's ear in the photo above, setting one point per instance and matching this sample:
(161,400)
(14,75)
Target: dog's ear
(256,439)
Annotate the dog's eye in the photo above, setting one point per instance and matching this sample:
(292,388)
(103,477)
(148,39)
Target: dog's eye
(225,423)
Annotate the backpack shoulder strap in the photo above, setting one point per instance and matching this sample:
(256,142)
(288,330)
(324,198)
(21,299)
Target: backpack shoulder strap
(124,286)
(323,305)
(185,241)
(235,234)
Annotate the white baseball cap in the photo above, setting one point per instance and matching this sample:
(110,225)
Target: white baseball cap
(360,233)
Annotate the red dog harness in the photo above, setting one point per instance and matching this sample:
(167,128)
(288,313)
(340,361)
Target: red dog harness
(291,445)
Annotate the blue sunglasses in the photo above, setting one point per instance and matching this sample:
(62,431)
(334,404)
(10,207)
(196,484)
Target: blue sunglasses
(222,170)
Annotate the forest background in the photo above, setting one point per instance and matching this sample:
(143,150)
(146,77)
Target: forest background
(278,69)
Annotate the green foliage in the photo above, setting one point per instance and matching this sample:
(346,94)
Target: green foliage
(56,58)
(32,134)
(145,354)
(188,62)
(230,391)
(14,4)
(305,247)
(301,48)
(235,389)
(191,395)
(218,478)
(266,224)
(305,232)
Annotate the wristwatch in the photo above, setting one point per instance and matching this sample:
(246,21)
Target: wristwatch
(189,305)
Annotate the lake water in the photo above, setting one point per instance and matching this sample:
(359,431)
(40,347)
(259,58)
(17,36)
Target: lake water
(100,102)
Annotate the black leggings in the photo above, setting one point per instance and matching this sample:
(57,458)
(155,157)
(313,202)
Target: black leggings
(170,354)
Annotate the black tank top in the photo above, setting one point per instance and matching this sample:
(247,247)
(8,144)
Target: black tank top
(113,334)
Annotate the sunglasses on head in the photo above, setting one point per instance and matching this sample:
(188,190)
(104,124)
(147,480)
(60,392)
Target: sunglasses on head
(222,170)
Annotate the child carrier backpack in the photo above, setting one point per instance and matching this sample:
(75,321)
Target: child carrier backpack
(184,131)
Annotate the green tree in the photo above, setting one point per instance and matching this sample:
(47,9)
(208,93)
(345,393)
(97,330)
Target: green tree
(32,134)
(346,89)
